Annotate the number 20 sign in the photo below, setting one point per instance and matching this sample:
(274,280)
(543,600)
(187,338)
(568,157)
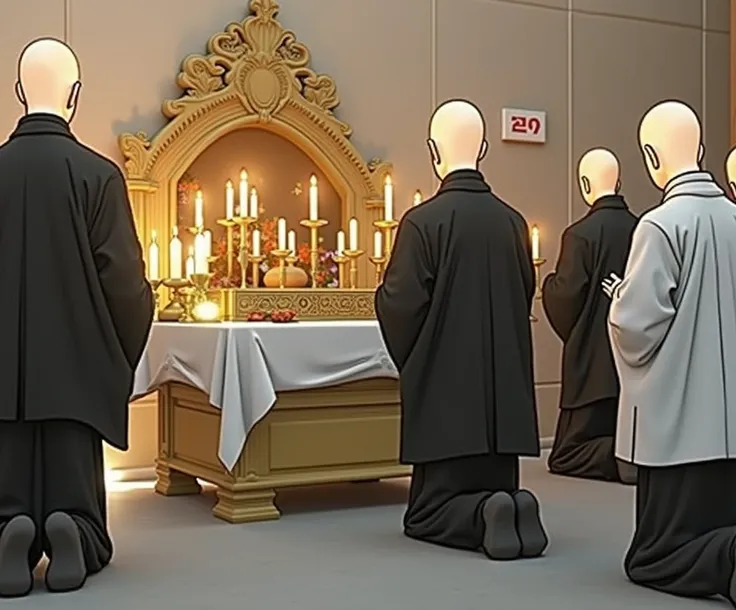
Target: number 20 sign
(528,126)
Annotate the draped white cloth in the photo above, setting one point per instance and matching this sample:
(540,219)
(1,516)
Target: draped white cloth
(241,365)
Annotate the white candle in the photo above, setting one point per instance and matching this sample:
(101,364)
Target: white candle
(535,243)
(229,200)
(198,210)
(208,243)
(417,197)
(243,194)
(388,199)
(175,255)
(353,231)
(292,242)
(340,243)
(200,254)
(190,262)
(282,233)
(153,257)
(256,240)
(313,199)
(377,244)
(253,203)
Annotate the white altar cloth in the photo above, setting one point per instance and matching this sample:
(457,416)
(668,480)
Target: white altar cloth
(241,365)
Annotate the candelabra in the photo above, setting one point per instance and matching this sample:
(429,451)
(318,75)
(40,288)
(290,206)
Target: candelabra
(229,225)
(387,229)
(314,227)
(282,255)
(175,310)
(353,256)
(379,262)
(342,266)
(243,222)
(255,267)
(537,262)
(202,308)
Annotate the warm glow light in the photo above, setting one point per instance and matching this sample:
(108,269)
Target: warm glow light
(388,199)
(340,243)
(353,234)
(535,243)
(418,197)
(253,203)
(243,194)
(199,210)
(153,252)
(175,262)
(206,311)
(256,238)
(313,199)
(313,180)
(229,200)
(282,233)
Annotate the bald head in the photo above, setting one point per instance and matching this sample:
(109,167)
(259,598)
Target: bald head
(48,78)
(457,137)
(671,140)
(599,173)
(731,171)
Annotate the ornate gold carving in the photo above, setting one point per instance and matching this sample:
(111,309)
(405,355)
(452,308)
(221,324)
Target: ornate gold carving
(324,304)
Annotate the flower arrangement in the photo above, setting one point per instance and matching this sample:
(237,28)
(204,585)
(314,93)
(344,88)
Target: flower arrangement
(185,190)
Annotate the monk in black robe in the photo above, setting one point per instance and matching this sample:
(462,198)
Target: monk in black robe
(592,248)
(454,312)
(75,312)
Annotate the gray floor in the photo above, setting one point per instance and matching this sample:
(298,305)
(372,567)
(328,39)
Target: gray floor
(341,548)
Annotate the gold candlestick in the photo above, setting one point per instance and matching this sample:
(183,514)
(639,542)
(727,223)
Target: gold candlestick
(155,285)
(353,256)
(175,310)
(243,222)
(537,262)
(229,225)
(387,227)
(282,255)
(255,269)
(342,264)
(379,263)
(314,227)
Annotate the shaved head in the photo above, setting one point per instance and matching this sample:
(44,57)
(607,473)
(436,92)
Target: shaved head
(457,137)
(599,173)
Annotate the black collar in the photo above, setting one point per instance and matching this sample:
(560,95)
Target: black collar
(42,124)
(470,180)
(608,202)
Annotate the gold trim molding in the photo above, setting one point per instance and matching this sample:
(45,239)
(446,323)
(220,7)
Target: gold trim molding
(256,74)
(308,304)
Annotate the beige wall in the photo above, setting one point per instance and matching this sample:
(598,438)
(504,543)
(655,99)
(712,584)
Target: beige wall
(593,65)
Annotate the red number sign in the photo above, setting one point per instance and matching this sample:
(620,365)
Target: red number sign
(523,124)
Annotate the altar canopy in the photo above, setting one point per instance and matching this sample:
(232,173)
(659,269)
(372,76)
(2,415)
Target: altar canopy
(241,366)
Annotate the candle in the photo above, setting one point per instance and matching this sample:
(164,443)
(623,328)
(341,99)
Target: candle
(175,255)
(292,242)
(253,203)
(208,243)
(340,243)
(353,231)
(256,239)
(313,199)
(377,244)
(282,233)
(417,197)
(200,254)
(535,243)
(388,199)
(153,257)
(243,194)
(198,210)
(190,262)
(229,200)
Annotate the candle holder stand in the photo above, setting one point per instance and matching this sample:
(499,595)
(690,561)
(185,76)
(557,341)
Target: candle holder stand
(229,225)
(255,268)
(243,222)
(342,267)
(387,228)
(537,262)
(353,256)
(314,226)
(202,309)
(155,285)
(282,255)
(176,308)
(379,262)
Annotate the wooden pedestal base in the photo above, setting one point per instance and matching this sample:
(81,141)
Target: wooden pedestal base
(329,435)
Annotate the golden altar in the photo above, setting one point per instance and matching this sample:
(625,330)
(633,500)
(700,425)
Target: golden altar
(256,75)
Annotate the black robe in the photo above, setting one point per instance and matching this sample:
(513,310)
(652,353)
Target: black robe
(75,307)
(454,312)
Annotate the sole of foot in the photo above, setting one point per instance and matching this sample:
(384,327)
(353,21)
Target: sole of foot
(16,578)
(534,539)
(67,570)
(500,540)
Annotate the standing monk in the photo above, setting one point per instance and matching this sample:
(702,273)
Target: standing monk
(454,311)
(75,311)
(673,332)
(592,248)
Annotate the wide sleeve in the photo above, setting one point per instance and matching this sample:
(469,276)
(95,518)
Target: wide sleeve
(642,306)
(121,270)
(564,291)
(403,299)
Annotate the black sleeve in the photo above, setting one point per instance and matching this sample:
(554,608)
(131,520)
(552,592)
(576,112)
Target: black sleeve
(564,291)
(403,299)
(119,260)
